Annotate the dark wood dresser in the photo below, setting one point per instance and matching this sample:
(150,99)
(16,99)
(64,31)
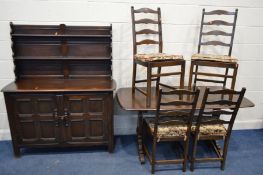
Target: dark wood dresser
(63,92)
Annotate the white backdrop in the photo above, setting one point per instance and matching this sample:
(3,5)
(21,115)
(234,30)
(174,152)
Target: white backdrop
(181,21)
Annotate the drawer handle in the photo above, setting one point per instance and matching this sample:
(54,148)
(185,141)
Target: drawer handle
(65,118)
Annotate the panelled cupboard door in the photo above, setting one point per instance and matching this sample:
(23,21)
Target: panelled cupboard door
(86,118)
(36,118)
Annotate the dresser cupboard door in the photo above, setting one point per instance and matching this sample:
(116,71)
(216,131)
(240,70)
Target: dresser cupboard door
(35,118)
(86,118)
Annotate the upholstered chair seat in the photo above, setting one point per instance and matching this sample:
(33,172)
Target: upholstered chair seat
(211,130)
(157,57)
(167,131)
(217,58)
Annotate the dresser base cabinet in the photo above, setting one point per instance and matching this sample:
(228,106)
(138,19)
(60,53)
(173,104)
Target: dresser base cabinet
(55,119)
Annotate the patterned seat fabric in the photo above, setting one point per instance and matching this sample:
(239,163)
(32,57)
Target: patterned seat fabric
(218,58)
(211,130)
(157,57)
(169,131)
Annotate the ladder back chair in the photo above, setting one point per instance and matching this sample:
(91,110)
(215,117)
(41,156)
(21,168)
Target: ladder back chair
(225,62)
(211,128)
(156,59)
(171,123)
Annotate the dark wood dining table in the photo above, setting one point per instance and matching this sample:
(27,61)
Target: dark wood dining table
(137,102)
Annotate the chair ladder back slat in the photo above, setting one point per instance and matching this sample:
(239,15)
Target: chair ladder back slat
(221,102)
(173,113)
(217,32)
(214,122)
(176,103)
(215,43)
(219,12)
(218,112)
(218,22)
(146,31)
(146,21)
(172,121)
(178,92)
(145,10)
(147,41)
(225,92)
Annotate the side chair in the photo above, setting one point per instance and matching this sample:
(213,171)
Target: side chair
(142,28)
(210,128)
(213,62)
(172,123)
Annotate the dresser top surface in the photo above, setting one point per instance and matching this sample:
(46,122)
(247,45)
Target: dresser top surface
(60,85)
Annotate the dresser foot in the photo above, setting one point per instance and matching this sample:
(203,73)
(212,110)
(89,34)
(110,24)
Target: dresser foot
(17,151)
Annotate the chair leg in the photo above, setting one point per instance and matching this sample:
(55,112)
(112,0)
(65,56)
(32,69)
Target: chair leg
(195,77)
(225,79)
(153,155)
(193,153)
(190,76)
(182,76)
(153,168)
(158,79)
(234,78)
(149,83)
(134,76)
(186,145)
(223,162)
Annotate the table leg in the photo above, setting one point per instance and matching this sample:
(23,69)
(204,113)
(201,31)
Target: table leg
(139,137)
